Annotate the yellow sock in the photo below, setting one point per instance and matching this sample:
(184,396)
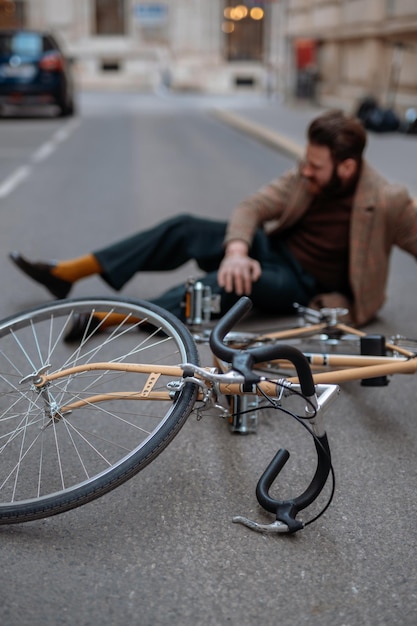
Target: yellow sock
(115,319)
(74,269)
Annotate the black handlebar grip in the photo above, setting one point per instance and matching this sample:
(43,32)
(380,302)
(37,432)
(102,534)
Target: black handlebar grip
(224,325)
(286,510)
(288,353)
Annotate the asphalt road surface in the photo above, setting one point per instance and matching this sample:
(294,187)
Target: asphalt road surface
(162,549)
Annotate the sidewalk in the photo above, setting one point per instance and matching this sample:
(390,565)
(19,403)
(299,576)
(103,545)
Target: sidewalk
(283,126)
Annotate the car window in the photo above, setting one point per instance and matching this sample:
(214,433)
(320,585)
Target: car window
(22,44)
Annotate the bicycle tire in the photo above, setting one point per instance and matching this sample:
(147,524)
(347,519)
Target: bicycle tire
(52,461)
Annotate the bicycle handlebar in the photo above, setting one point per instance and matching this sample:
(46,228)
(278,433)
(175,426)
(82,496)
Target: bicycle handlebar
(286,510)
(244,360)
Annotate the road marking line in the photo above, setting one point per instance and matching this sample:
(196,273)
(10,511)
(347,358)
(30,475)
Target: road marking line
(42,153)
(46,149)
(14,180)
(63,133)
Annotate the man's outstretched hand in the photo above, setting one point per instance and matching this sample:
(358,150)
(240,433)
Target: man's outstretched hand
(237,270)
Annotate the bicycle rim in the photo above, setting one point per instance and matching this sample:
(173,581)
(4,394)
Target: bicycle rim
(53,458)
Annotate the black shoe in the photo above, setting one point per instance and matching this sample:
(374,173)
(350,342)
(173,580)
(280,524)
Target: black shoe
(41,272)
(84,325)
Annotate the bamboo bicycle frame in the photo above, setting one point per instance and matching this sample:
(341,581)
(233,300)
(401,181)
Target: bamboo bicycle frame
(154,372)
(356,367)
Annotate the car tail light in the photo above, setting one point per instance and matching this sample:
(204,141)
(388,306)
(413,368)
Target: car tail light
(52,62)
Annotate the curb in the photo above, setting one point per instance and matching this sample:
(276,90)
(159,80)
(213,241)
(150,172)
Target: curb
(268,137)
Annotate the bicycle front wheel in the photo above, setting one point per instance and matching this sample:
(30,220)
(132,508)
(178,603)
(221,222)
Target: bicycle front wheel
(70,440)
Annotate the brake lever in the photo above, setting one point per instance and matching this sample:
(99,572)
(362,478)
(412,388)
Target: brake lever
(274,527)
(308,314)
(330,315)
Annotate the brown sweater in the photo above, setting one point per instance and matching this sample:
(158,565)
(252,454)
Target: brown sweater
(320,241)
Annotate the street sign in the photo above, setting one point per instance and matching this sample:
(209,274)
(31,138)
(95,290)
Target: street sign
(150,14)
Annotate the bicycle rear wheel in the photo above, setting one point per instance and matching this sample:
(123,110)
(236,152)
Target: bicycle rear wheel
(62,444)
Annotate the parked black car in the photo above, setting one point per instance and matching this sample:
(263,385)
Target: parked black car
(34,71)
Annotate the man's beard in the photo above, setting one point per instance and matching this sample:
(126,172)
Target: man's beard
(336,187)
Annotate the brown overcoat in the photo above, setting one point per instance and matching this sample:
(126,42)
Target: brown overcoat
(383,215)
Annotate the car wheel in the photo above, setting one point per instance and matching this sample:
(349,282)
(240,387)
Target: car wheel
(67,109)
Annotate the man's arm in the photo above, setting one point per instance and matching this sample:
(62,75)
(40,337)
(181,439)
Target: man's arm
(238,270)
(269,204)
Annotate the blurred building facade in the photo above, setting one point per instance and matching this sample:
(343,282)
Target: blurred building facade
(356,48)
(334,51)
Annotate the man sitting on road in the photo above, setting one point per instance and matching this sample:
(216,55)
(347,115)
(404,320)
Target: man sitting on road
(321,234)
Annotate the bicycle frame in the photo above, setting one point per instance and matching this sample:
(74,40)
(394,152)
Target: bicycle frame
(354,367)
(226,383)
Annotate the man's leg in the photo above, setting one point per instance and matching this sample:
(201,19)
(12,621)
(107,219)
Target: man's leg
(279,286)
(163,247)
(282,282)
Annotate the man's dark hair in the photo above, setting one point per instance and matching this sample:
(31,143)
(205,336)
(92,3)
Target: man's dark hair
(344,135)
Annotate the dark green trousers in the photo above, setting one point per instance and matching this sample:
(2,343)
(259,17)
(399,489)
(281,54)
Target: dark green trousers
(173,242)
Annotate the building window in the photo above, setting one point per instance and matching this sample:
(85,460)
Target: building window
(110,17)
(243,28)
(12,14)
